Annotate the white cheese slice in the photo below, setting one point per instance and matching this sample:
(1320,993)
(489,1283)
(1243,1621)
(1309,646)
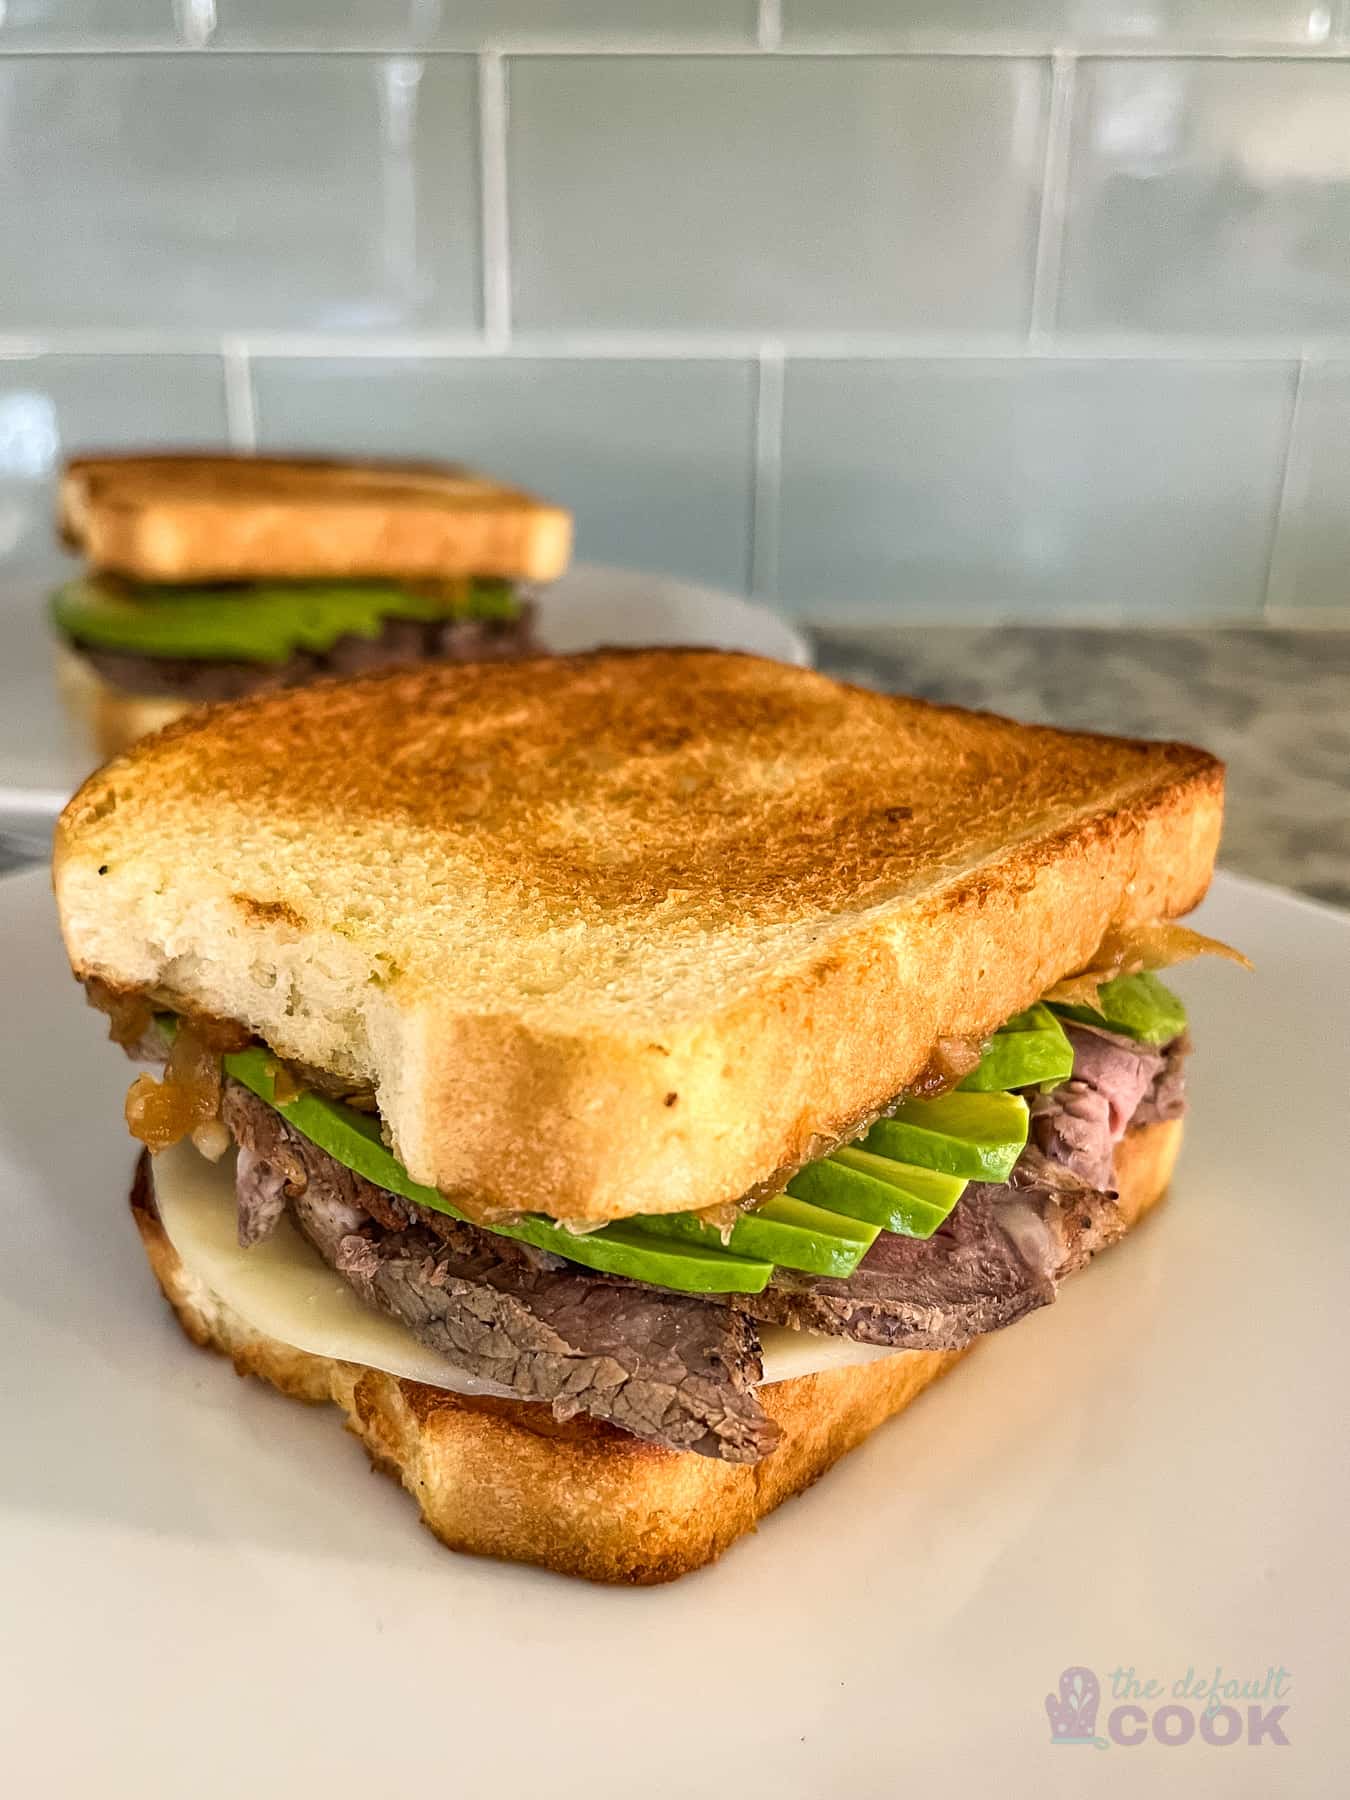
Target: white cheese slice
(788,1354)
(284,1288)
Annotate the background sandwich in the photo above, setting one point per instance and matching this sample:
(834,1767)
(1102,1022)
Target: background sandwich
(674,1061)
(216,576)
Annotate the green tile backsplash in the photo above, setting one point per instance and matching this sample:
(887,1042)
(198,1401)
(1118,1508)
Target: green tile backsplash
(429,24)
(876,307)
(1209,196)
(775,194)
(1277,23)
(201,192)
(1030,486)
(52,404)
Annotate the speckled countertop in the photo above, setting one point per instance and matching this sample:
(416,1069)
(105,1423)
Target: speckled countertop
(1274,704)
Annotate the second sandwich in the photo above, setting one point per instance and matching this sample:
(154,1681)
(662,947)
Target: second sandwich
(213,576)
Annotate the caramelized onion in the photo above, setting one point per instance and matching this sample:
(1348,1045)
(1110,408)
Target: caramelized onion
(949,1062)
(305,1078)
(130,1015)
(161,1113)
(286,1084)
(723,1216)
(1135,948)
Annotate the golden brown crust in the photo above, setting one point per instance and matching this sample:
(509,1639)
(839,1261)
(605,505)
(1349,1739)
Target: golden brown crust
(1144,1162)
(99,478)
(584,885)
(503,1478)
(237,518)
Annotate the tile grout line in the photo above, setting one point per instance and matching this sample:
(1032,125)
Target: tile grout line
(766,505)
(656,346)
(1289,507)
(769,25)
(494,204)
(1054,199)
(967,47)
(241,416)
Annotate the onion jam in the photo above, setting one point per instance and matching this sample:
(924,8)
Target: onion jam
(161,1113)
(186,1102)
(951,1060)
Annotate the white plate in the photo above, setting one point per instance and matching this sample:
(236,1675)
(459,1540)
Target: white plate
(42,761)
(205,1592)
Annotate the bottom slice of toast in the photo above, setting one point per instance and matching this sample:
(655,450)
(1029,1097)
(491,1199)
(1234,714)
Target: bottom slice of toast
(503,1478)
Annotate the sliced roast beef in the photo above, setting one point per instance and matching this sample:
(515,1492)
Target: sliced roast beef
(260,1196)
(1166,1099)
(998,1256)
(665,1367)
(1071,1126)
(1120,1068)
(1079,1124)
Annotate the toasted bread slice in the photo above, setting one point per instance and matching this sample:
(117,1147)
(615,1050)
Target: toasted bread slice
(503,1478)
(246,518)
(619,934)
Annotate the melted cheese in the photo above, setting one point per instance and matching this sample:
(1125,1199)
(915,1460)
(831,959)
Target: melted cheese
(283,1288)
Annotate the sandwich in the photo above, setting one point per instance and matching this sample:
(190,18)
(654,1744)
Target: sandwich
(628,1091)
(213,577)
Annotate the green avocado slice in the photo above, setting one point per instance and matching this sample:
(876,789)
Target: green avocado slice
(979,1136)
(1137,1006)
(1030,1050)
(256,622)
(894,1196)
(353,1138)
(786,1231)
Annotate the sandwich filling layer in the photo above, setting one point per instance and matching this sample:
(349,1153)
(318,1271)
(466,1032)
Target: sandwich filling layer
(221,643)
(680,1369)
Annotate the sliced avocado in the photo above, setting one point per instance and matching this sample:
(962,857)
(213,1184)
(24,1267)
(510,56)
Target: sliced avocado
(257,622)
(353,1139)
(894,1196)
(977,1135)
(1030,1050)
(1138,1006)
(782,1230)
(626,1248)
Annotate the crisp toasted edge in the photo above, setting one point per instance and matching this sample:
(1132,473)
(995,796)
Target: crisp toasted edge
(501,1478)
(110,508)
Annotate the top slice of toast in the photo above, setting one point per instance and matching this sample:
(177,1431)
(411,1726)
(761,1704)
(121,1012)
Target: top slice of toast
(625,932)
(187,518)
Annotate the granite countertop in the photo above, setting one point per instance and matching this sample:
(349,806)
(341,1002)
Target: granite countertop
(1275,705)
